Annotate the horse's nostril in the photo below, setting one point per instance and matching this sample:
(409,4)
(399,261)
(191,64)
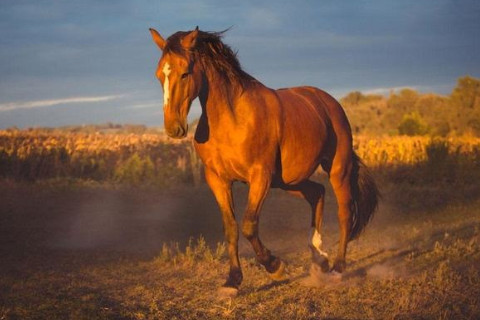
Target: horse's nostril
(176,132)
(180,132)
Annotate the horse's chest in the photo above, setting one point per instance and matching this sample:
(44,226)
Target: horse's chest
(225,160)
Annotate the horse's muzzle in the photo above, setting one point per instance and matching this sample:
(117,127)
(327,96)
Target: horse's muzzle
(177,132)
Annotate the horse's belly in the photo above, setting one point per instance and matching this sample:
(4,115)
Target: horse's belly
(302,149)
(298,164)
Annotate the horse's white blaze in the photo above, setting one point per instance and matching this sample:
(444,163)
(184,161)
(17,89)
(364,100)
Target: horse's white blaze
(166,93)
(317,242)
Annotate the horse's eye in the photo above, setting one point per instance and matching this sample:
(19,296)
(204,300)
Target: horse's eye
(184,75)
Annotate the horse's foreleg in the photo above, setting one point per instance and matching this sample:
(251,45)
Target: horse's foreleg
(222,191)
(258,190)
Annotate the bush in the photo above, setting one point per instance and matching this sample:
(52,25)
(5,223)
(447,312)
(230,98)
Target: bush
(135,170)
(413,125)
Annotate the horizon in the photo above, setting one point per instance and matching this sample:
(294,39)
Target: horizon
(65,64)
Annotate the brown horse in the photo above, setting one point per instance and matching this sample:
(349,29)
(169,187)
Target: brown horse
(266,138)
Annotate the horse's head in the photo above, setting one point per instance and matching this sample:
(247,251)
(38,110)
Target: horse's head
(180,77)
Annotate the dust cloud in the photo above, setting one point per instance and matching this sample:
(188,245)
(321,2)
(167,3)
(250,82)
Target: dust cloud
(142,220)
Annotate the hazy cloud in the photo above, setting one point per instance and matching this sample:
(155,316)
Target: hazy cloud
(147,104)
(48,103)
(384,91)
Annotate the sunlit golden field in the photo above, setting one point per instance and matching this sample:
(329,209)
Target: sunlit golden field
(36,154)
(97,226)
(403,150)
(133,158)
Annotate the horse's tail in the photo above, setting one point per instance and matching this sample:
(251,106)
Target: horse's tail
(365,196)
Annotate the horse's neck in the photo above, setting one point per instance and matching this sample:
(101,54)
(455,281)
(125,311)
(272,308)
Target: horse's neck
(218,102)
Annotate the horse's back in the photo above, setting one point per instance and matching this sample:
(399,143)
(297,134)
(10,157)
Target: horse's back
(313,123)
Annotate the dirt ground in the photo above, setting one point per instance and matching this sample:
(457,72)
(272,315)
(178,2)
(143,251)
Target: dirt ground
(98,252)
(139,221)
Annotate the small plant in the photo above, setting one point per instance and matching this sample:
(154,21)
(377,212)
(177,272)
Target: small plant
(195,251)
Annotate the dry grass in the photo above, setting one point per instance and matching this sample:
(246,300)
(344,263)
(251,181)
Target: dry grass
(404,267)
(393,151)
(122,158)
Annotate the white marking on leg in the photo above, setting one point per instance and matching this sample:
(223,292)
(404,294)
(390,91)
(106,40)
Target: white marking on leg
(166,93)
(317,242)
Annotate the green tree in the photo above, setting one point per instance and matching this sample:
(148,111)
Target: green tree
(353,98)
(404,101)
(435,111)
(465,105)
(135,170)
(413,125)
(398,104)
(467,93)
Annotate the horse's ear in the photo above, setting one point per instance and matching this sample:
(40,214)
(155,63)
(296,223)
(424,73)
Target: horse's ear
(190,40)
(157,38)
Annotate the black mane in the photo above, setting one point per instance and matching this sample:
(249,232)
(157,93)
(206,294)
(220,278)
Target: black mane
(214,53)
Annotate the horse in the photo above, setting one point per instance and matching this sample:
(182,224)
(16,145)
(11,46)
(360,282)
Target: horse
(265,138)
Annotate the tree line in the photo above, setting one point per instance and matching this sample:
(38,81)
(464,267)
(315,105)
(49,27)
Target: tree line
(411,113)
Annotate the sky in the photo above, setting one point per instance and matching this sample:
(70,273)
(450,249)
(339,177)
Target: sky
(93,61)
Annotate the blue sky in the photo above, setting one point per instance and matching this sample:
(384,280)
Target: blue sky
(92,61)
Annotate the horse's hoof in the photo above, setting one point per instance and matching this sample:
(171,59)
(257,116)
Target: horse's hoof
(339,266)
(227,293)
(279,275)
(321,263)
(335,276)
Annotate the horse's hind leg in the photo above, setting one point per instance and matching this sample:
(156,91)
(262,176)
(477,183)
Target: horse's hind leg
(314,193)
(256,195)
(340,177)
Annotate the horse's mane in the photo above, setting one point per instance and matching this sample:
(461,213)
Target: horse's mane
(213,53)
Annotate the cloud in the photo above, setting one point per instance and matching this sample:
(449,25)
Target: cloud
(385,91)
(48,103)
(437,88)
(149,104)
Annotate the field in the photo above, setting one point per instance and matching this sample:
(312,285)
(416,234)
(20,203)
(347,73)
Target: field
(151,158)
(115,244)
